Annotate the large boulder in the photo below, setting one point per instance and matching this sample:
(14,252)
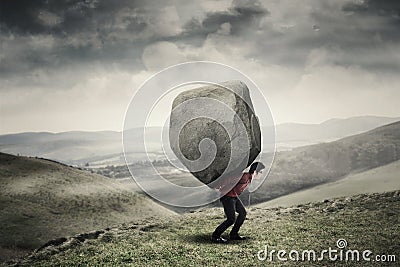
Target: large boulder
(214,131)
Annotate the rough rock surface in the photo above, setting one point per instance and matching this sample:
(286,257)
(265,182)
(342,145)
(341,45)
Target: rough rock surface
(185,134)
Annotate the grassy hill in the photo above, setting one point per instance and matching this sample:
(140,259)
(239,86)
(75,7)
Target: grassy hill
(366,222)
(308,166)
(380,179)
(41,200)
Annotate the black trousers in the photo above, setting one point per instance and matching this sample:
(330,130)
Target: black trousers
(231,204)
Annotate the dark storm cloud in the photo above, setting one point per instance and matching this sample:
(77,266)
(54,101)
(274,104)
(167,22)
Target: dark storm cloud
(47,35)
(22,16)
(387,12)
(44,36)
(28,17)
(239,16)
(368,31)
(362,35)
(387,8)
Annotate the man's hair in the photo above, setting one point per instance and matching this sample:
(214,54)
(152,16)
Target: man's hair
(256,166)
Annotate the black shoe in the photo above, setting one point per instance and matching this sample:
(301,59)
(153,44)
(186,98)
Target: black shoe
(236,237)
(219,240)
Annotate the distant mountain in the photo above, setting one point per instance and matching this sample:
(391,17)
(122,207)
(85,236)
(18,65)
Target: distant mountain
(78,147)
(67,147)
(105,147)
(309,166)
(297,134)
(42,200)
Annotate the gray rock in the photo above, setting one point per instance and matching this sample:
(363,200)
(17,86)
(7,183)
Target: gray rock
(214,131)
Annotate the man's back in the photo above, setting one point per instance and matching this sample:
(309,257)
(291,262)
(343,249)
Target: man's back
(241,185)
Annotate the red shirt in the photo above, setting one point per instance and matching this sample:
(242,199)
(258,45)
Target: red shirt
(241,185)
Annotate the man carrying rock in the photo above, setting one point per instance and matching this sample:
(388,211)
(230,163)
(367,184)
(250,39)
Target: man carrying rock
(232,203)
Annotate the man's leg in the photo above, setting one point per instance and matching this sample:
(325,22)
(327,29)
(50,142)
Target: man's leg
(240,219)
(229,209)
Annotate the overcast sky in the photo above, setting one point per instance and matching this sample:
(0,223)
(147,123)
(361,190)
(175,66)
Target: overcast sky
(74,65)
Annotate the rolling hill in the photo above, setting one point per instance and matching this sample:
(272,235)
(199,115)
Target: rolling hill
(308,166)
(41,200)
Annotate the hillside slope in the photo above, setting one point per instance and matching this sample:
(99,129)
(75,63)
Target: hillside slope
(381,179)
(307,166)
(366,222)
(41,200)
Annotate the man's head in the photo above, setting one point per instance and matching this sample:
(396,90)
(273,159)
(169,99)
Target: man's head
(256,168)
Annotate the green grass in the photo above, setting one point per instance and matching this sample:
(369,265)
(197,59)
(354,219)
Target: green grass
(42,200)
(365,221)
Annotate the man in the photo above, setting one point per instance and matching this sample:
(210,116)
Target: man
(232,203)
